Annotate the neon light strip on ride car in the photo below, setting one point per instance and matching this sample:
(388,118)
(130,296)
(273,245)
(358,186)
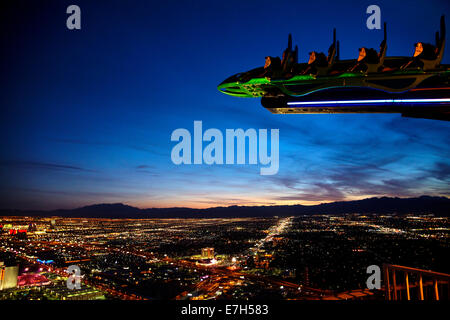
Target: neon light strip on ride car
(369,101)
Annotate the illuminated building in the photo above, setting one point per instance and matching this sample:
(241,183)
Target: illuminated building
(207,253)
(306,277)
(8,276)
(85,293)
(32,280)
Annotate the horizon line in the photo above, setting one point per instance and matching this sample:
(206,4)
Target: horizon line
(223,206)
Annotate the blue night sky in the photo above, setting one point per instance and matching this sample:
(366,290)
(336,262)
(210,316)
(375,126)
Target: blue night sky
(87,115)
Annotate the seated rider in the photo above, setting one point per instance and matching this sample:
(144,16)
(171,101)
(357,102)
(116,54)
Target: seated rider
(272,67)
(316,59)
(365,56)
(422,51)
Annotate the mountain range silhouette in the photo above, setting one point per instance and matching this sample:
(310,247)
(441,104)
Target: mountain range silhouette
(439,206)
